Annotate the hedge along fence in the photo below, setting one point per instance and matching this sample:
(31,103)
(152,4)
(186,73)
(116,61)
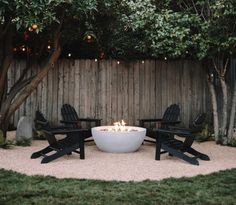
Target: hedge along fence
(112,91)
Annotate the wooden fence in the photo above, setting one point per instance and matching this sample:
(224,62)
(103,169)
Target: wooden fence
(112,91)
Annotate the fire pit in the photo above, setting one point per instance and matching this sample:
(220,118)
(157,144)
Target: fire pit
(118,138)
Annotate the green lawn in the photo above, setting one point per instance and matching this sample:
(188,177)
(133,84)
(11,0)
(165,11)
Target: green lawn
(218,188)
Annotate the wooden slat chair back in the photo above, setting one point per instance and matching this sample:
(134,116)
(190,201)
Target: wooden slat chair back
(70,115)
(170,117)
(71,119)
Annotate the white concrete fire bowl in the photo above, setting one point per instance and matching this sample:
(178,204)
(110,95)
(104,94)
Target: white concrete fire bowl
(127,140)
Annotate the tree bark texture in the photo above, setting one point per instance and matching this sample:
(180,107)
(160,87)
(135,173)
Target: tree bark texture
(224,111)
(215,110)
(232,115)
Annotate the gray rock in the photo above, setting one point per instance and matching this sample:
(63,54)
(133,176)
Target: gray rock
(24,129)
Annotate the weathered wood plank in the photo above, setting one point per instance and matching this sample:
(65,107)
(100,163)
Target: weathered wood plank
(60,90)
(112,91)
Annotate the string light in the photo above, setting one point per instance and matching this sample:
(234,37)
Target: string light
(23,49)
(30,29)
(89,37)
(69,54)
(95,59)
(49,47)
(118,62)
(142,62)
(165,58)
(34,26)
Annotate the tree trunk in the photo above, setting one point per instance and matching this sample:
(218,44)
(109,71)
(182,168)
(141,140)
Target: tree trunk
(25,93)
(3,124)
(11,104)
(232,115)
(223,126)
(215,111)
(6,60)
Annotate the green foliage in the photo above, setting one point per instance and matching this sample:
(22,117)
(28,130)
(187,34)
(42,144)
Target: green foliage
(39,135)
(44,13)
(216,188)
(24,142)
(204,135)
(216,32)
(132,29)
(232,142)
(5,144)
(2,140)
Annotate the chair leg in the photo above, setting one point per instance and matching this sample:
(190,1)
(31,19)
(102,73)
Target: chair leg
(180,155)
(81,147)
(41,152)
(158,146)
(198,154)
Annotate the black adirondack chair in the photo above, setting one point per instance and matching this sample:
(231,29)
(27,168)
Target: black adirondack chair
(71,119)
(170,117)
(73,142)
(177,147)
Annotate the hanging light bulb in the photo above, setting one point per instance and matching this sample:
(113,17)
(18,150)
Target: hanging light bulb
(118,62)
(95,59)
(69,54)
(34,26)
(30,29)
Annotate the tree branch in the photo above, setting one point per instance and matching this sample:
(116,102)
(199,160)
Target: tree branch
(18,82)
(194,7)
(6,64)
(225,67)
(12,94)
(28,89)
(217,70)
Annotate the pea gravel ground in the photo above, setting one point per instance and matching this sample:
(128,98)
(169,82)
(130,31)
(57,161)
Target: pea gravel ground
(136,166)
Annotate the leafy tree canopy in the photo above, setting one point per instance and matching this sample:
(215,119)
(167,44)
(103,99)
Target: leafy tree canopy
(133,29)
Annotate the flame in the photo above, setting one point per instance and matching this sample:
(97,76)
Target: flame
(119,126)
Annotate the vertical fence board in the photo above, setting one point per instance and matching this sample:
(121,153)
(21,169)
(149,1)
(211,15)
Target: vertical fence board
(111,91)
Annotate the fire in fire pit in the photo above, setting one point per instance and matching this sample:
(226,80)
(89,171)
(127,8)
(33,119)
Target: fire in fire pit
(119,127)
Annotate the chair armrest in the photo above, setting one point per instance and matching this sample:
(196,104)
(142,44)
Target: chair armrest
(69,122)
(64,131)
(180,133)
(150,120)
(179,128)
(90,119)
(142,121)
(170,122)
(158,120)
(97,121)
